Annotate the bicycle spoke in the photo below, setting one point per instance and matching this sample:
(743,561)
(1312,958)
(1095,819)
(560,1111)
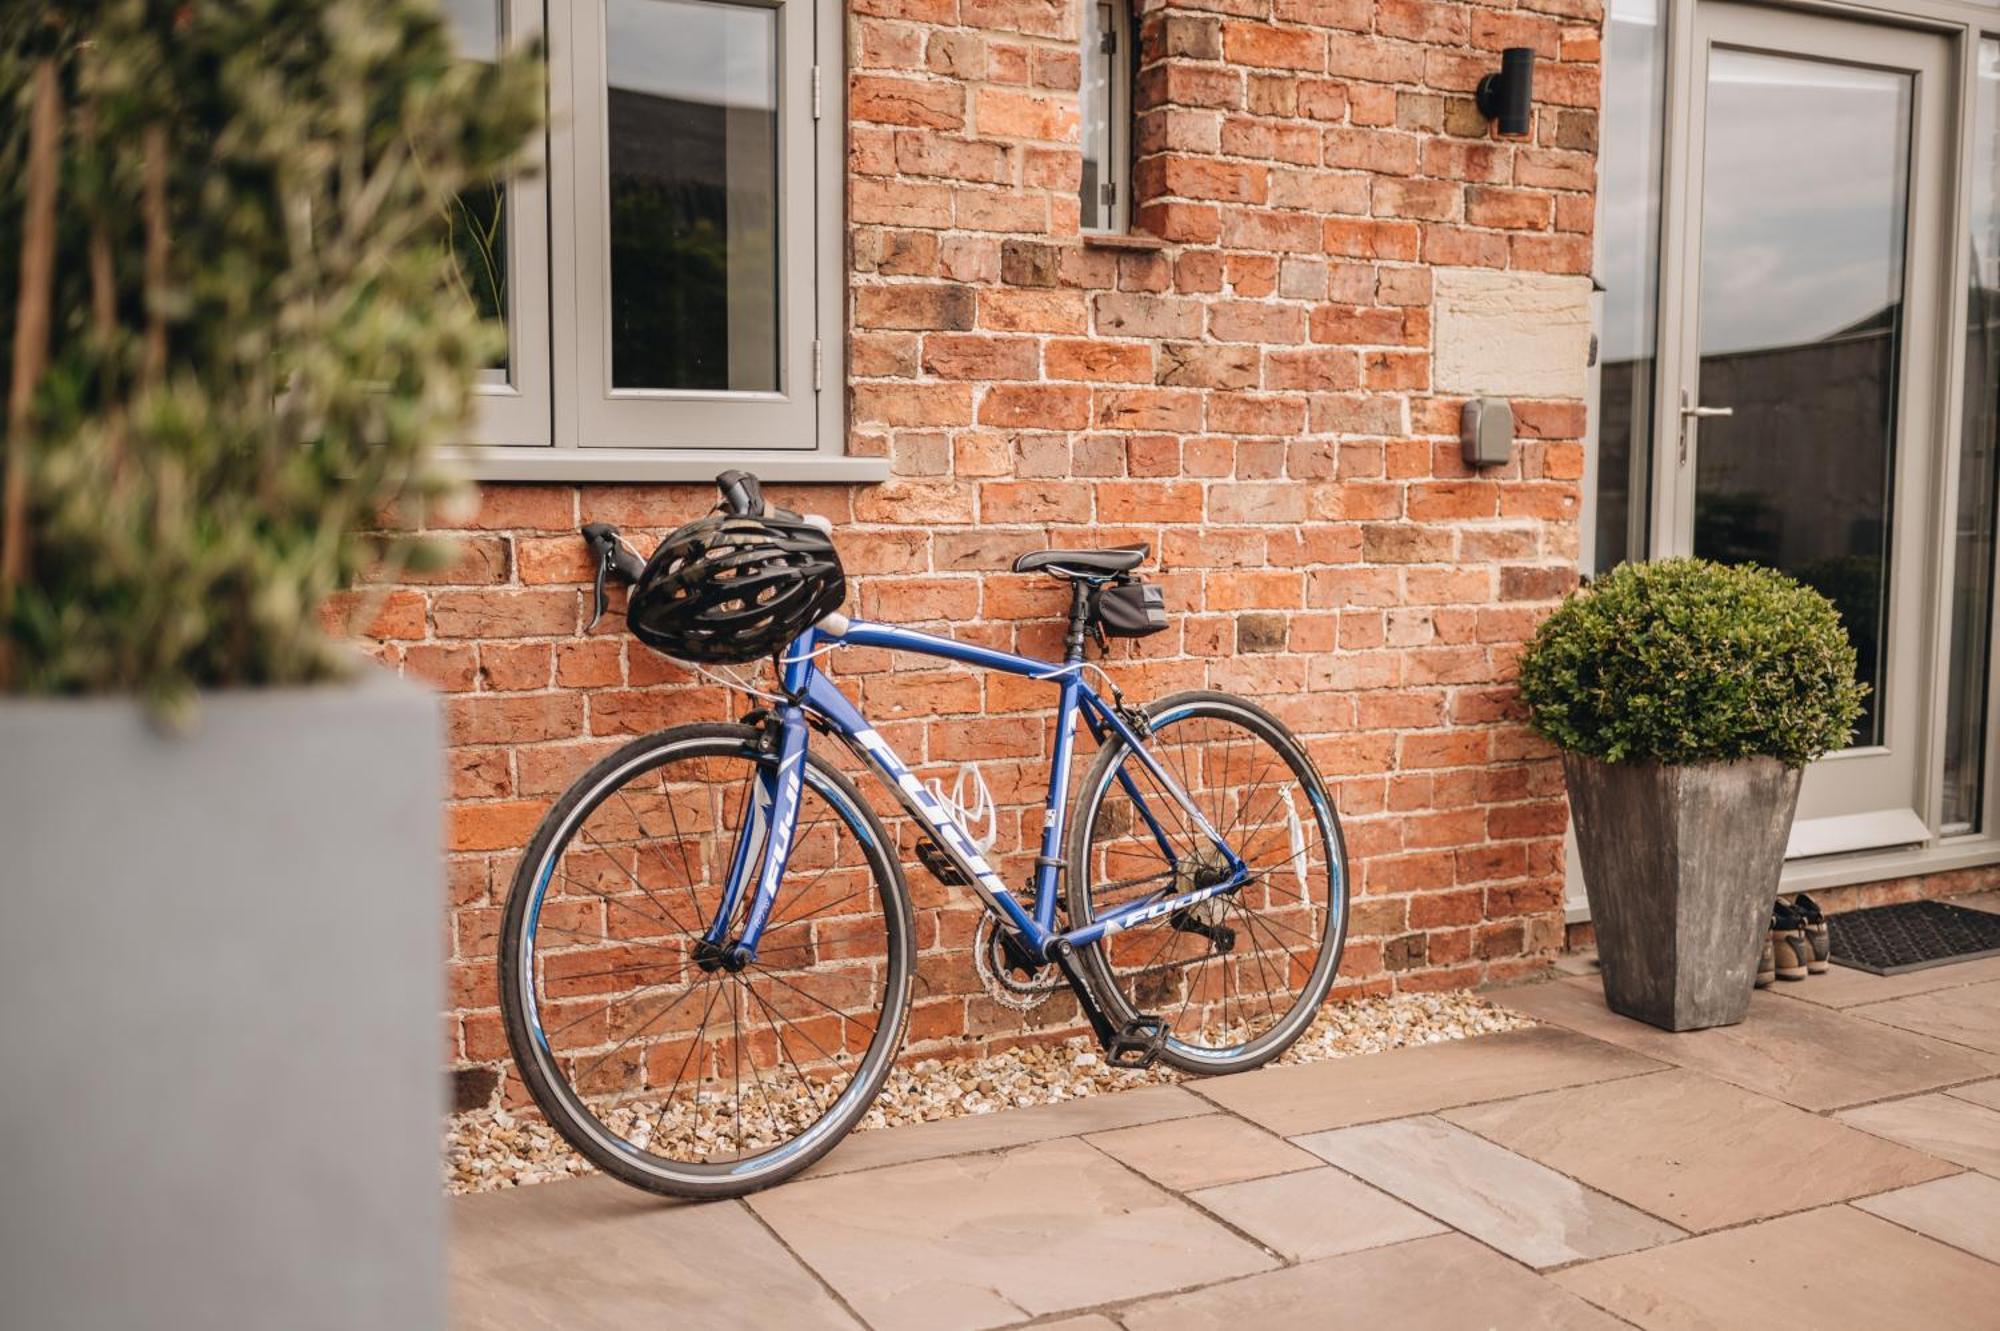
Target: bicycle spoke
(815,998)
(694,1046)
(599,846)
(600,1060)
(778,1023)
(803,1034)
(618,901)
(680,838)
(736,1068)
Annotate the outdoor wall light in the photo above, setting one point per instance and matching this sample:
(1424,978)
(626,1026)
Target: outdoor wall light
(1509,96)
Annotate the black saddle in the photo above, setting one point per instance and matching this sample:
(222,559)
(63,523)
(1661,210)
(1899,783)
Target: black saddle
(1084,563)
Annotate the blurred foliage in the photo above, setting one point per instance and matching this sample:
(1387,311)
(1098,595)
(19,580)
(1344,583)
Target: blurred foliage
(258,333)
(1687,661)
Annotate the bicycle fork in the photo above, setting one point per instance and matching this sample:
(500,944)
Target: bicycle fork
(770,821)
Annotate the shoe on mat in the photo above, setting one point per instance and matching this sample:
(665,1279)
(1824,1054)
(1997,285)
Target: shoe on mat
(1767,965)
(1790,950)
(1813,921)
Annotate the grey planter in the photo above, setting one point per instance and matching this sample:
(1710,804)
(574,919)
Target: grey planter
(1681,866)
(220,965)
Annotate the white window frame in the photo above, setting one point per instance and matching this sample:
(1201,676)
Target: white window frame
(559,419)
(1116,171)
(512,406)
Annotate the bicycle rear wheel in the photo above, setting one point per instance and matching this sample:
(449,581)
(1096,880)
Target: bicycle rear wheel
(687,1078)
(1239,975)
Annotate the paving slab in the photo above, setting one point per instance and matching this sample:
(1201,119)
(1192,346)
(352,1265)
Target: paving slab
(1311,1097)
(1963,1210)
(594,1255)
(1980,1093)
(1979,901)
(1969,1015)
(1009,1127)
(1806,1055)
(1202,1152)
(1941,1125)
(1697,1151)
(1507,1201)
(1318,1213)
(1448,1283)
(977,1241)
(1824,1270)
(1844,986)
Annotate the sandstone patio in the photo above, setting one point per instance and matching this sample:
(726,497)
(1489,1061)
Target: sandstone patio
(1834,1161)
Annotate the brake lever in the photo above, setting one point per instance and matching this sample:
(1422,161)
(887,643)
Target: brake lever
(597,591)
(603,540)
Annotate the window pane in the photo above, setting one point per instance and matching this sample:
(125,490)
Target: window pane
(1805,193)
(479,216)
(1972,584)
(1634,89)
(1095,103)
(693,120)
(475,27)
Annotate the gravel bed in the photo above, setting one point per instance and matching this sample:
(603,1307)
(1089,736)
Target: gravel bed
(491,1149)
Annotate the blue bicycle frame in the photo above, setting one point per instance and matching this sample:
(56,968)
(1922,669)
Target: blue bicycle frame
(772,821)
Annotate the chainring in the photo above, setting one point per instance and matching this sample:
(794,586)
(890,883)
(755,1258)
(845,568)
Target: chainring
(1008,986)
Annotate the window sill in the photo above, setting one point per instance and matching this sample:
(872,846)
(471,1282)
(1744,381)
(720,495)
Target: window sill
(642,465)
(1123,240)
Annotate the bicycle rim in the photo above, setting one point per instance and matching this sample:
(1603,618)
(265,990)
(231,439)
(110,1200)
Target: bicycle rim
(1240,976)
(679,1077)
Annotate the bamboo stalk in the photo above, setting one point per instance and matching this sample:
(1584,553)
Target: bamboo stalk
(31,341)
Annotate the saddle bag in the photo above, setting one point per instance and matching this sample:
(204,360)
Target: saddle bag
(1129,608)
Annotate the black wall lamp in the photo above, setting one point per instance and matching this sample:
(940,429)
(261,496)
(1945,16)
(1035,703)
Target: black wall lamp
(1509,96)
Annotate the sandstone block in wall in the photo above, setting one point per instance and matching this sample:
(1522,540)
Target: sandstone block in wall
(1511,334)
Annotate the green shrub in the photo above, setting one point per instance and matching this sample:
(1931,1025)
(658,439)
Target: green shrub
(227,292)
(1687,661)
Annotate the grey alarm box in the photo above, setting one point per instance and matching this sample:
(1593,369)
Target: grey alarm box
(1486,431)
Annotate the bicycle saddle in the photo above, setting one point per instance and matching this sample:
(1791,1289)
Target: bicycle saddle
(1070,563)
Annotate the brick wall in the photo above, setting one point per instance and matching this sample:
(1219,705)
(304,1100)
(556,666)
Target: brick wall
(1251,394)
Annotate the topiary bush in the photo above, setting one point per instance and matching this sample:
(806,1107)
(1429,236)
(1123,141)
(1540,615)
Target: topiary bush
(1687,661)
(232,333)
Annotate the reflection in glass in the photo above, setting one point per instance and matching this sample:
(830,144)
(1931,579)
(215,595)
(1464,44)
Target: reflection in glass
(1628,263)
(1805,196)
(1101,40)
(1972,555)
(692,113)
(479,216)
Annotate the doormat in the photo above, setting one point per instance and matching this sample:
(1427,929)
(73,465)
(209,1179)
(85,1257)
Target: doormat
(1888,940)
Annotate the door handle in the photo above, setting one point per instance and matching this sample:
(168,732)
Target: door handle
(1691,412)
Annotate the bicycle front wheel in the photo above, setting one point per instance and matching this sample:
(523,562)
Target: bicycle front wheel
(1240,975)
(682,1077)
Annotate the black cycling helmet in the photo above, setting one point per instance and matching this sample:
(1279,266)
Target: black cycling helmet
(733,587)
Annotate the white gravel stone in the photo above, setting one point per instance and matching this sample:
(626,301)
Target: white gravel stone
(490,1149)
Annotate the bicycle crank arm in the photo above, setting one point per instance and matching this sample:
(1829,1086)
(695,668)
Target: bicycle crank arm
(1137,1043)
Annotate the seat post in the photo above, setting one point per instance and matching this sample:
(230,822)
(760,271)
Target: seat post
(1079,617)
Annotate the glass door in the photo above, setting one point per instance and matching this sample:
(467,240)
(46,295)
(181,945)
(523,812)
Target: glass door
(1799,416)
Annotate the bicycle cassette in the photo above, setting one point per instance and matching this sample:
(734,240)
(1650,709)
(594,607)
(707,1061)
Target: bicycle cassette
(1002,974)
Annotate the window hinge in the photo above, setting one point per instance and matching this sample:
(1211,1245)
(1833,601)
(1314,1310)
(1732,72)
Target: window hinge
(819,365)
(815,92)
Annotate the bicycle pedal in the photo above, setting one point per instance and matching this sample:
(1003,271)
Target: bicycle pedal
(940,866)
(1137,1043)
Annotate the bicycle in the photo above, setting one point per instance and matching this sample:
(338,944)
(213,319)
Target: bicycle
(729,873)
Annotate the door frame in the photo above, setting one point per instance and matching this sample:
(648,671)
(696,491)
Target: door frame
(1829,822)
(1963,24)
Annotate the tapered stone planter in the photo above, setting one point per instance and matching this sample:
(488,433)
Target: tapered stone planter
(221,973)
(1681,866)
